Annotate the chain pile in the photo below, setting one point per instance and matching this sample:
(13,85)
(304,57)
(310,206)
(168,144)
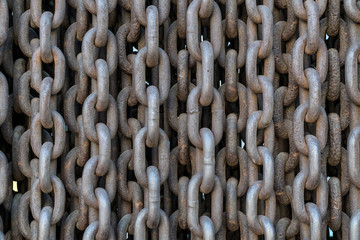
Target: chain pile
(177,119)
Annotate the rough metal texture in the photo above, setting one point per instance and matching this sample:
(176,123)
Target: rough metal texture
(179,119)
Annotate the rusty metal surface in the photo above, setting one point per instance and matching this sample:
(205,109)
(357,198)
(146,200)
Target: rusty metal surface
(179,119)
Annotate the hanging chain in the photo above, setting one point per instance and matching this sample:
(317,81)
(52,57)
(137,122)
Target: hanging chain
(177,119)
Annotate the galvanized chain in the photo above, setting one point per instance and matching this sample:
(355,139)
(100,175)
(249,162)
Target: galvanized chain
(177,119)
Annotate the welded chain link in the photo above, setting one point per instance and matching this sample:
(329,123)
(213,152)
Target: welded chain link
(177,119)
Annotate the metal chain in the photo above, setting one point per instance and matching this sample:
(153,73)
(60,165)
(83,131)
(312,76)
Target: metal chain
(177,119)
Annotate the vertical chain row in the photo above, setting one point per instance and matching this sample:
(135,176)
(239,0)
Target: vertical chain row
(5,167)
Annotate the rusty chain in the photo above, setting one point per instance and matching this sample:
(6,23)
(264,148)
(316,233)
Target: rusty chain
(177,119)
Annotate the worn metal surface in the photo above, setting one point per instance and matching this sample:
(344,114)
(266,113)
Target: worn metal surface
(179,119)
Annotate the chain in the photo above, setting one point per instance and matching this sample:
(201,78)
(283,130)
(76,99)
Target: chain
(177,119)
